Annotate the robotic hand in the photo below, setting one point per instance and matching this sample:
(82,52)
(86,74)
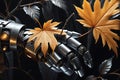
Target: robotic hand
(66,57)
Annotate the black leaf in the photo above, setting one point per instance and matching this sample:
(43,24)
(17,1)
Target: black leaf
(105,66)
(32,11)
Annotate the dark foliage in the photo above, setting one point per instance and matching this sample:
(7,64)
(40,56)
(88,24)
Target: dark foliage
(28,69)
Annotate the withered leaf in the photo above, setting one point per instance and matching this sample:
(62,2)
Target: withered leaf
(98,19)
(44,36)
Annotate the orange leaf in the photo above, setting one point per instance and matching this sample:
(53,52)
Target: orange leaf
(45,36)
(98,19)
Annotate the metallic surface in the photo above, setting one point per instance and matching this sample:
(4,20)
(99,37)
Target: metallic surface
(71,42)
(65,58)
(61,48)
(66,70)
(56,58)
(14,30)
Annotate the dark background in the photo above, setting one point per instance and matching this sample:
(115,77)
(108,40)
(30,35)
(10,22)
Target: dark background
(30,70)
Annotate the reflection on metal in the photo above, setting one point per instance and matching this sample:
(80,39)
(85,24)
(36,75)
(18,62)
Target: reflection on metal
(61,48)
(65,58)
(4,36)
(29,50)
(88,59)
(4,48)
(13,29)
(66,70)
(71,42)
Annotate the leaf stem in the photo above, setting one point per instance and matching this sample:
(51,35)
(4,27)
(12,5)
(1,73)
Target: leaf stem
(11,12)
(116,70)
(38,22)
(67,20)
(115,74)
(6,5)
(99,77)
(38,2)
(85,33)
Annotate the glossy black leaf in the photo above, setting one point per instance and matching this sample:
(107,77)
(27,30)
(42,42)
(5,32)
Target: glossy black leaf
(105,66)
(32,11)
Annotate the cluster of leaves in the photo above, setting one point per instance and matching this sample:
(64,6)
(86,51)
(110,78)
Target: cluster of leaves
(105,70)
(98,20)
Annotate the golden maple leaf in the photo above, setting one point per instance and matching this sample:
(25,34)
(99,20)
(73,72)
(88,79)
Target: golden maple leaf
(44,36)
(98,19)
